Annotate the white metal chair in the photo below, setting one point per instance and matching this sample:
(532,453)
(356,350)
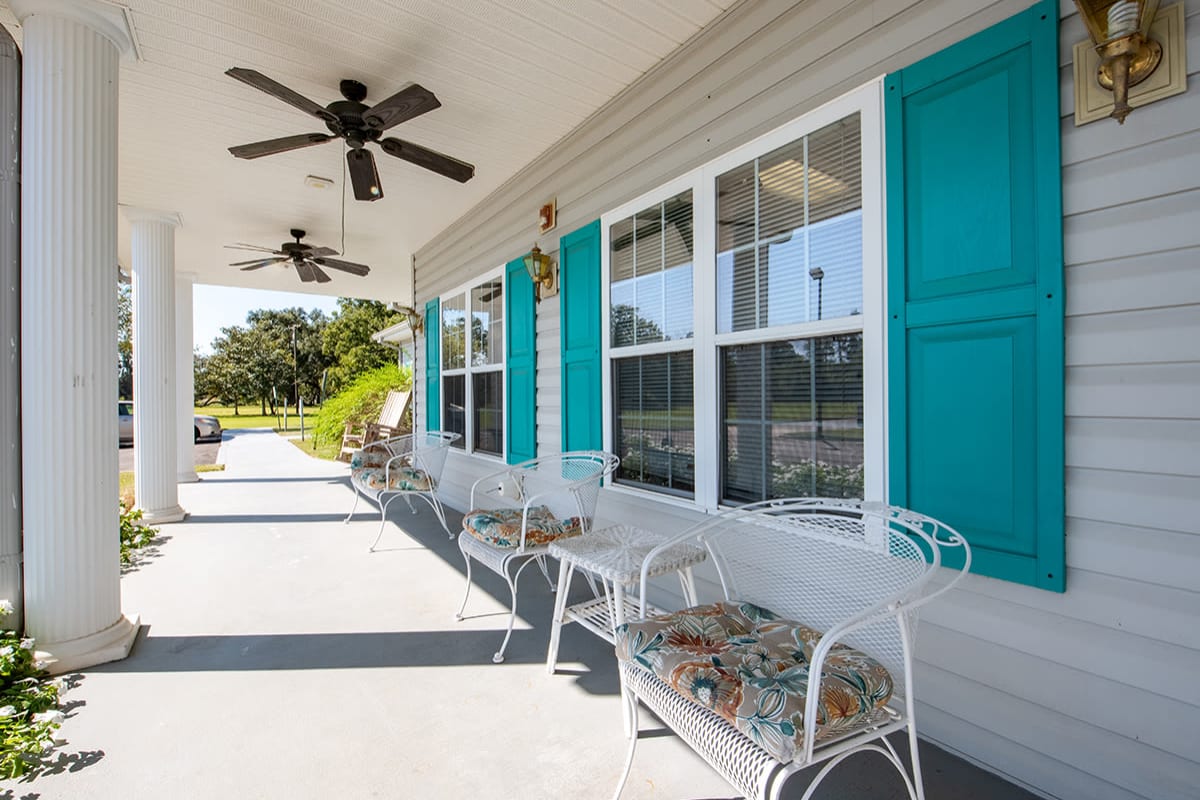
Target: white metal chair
(541,500)
(776,697)
(403,466)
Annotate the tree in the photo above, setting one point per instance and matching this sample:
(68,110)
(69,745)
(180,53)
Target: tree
(124,342)
(346,341)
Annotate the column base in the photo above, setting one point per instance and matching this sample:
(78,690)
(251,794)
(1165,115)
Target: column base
(161,516)
(187,477)
(111,644)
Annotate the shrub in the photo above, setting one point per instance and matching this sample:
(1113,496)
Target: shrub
(361,401)
(134,535)
(29,714)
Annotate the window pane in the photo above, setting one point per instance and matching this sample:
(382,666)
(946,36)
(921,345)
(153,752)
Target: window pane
(651,280)
(487,394)
(487,323)
(653,429)
(454,404)
(792,419)
(789,233)
(454,332)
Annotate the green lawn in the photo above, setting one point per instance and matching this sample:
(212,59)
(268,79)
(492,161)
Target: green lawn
(249,418)
(326,450)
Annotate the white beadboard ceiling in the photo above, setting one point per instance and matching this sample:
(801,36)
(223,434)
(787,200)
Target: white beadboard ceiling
(513,77)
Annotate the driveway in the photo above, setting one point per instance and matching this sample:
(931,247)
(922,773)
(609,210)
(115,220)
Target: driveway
(205,453)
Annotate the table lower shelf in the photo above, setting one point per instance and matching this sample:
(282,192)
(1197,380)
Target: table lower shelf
(597,617)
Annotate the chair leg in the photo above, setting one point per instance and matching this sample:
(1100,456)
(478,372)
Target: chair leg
(466,594)
(630,701)
(546,571)
(383,507)
(498,657)
(353,507)
(918,784)
(408,500)
(441,513)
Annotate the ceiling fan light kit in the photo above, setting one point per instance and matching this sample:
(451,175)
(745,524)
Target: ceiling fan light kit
(358,124)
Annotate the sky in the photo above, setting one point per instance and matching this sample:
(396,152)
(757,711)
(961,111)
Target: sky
(216,307)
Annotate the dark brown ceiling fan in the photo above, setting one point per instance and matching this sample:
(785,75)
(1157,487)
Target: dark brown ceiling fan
(306,258)
(359,124)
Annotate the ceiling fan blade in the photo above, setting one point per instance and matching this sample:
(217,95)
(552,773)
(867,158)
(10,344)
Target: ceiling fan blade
(255,247)
(272,146)
(260,264)
(322,251)
(411,101)
(277,90)
(440,163)
(363,175)
(305,270)
(344,266)
(319,274)
(259,260)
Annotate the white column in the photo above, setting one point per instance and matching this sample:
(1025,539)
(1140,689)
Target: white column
(10,328)
(155,413)
(185,380)
(69,330)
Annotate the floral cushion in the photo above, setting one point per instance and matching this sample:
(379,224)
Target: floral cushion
(501,527)
(398,479)
(751,667)
(369,457)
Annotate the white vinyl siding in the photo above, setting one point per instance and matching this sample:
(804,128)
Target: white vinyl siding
(1091,693)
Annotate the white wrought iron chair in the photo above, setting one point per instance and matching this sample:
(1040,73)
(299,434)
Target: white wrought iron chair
(809,657)
(538,501)
(405,466)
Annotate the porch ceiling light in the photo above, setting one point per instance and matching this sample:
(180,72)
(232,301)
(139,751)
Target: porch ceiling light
(542,272)
(1121,33)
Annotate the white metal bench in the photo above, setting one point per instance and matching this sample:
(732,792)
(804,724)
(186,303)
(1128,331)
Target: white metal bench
(810,587)
(403,466)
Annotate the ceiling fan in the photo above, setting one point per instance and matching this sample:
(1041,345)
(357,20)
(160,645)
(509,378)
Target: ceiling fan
(306,258)
(358,124)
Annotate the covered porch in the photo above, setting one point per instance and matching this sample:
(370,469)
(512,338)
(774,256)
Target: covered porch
(278,658)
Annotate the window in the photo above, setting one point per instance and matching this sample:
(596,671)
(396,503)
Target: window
(744,353)
(651,326)
(473,366)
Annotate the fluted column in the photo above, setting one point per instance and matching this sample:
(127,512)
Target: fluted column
(155,413)
(69,330)
(185,380)
(10,328)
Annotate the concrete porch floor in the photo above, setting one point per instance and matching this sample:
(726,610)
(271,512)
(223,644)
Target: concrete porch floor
(280,659)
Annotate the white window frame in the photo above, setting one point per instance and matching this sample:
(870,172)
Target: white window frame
(468,370)
(867,101)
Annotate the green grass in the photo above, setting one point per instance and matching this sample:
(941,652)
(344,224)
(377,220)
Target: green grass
(324,450)
(249,419)
(210,468)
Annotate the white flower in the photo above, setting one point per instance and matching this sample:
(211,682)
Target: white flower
(27,644)
(6,651)
(8,711)
(6,607)
(52,716)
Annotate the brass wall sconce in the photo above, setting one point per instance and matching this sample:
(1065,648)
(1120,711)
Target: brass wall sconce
(1131,39)
(542,272)
(416,322)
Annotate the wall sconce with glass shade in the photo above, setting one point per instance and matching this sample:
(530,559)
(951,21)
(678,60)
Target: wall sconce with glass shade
(543,272)
(1133,44)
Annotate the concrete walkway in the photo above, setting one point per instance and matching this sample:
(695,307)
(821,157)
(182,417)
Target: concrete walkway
(280,659)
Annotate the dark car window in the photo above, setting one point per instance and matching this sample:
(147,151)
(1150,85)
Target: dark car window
(125,409)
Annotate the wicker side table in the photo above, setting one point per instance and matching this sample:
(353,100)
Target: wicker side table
(615,556)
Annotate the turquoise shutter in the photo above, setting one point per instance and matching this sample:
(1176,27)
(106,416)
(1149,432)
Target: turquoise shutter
(975,295)
(433,366)
(520,364)
(579,304)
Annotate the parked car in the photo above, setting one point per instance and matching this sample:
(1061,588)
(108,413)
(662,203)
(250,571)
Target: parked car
(207,429)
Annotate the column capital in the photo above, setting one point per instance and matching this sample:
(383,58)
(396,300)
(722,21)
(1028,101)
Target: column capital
(110,21)
(136,214)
